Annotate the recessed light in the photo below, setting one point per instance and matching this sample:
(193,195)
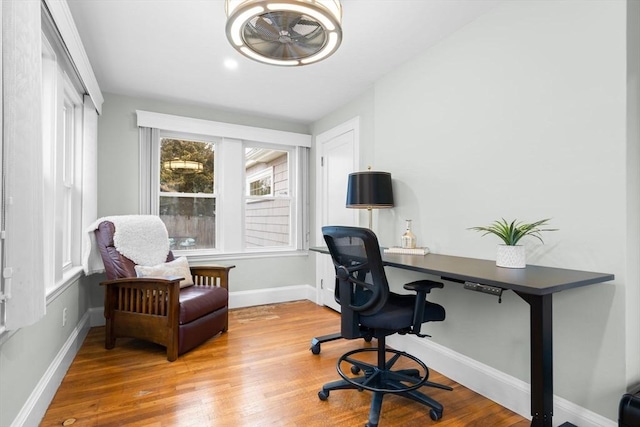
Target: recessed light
(230,64)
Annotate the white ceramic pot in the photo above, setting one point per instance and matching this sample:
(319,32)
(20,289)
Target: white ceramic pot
(511,256)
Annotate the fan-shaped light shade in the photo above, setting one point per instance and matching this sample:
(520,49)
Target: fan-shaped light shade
(370,189)
(284,32)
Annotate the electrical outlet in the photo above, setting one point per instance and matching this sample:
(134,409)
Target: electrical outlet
(64,316)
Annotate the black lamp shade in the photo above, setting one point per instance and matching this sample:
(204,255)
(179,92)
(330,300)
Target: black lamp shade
(369,189)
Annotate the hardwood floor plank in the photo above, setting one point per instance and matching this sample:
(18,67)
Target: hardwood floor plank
(260,373)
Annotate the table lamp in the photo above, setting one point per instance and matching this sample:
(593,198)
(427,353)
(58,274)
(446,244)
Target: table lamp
(368,190)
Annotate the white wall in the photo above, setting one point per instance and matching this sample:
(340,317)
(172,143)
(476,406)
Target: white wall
(522,114)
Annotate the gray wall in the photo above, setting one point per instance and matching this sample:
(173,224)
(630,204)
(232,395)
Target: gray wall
(523,114)
(27,353)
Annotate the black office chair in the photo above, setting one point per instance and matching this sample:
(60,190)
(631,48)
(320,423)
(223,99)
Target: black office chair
(369,308)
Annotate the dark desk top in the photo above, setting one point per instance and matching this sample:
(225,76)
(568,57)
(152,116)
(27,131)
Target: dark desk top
(533,280)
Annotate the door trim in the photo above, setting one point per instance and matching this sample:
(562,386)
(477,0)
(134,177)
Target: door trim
(352,125)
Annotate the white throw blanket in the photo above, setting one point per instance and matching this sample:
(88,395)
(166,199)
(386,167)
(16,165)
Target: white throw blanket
(141,238)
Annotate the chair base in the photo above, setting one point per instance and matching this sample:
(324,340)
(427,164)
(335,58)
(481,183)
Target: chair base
(381,379)
(316,341)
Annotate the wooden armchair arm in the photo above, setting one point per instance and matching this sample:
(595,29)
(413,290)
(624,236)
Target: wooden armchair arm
(211,275)
(144,295)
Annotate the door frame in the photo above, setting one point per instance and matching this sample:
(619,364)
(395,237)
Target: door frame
(348,126)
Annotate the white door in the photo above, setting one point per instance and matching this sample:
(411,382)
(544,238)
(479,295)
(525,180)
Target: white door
(338,157)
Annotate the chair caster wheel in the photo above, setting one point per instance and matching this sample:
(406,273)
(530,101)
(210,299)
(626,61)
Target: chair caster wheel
(315,349)
(355,370)
(323,395)
(435,415)
(368,338)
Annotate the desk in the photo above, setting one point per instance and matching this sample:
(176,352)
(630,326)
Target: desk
(534,284)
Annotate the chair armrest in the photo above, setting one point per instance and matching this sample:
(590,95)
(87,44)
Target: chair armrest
(421,288)
(144,295)
(211,275)
(423,285)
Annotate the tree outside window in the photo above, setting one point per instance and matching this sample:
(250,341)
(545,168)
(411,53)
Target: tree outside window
(187,199)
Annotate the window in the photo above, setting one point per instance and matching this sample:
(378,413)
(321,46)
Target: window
(221,188)
(260,183)
(62,118)
(49,147)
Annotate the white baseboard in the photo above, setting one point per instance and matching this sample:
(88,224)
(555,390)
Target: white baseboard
(240,299)
(36,406)
(505,390)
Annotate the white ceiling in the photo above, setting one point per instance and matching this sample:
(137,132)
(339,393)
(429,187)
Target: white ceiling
(174,50)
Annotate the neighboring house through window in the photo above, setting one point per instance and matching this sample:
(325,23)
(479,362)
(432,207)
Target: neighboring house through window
(268,201)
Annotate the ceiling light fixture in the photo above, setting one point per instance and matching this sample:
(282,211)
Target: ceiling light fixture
(284,32)
(230,64)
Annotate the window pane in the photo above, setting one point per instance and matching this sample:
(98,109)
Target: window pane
(268,203)
(186,168)
(190,221)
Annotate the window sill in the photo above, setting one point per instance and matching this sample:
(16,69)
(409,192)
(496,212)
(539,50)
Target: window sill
(68,278)
(242,255)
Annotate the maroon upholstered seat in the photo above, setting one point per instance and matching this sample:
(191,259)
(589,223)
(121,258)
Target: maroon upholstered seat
(157,309)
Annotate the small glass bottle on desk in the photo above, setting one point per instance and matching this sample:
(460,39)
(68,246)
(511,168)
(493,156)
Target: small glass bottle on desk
(408,238)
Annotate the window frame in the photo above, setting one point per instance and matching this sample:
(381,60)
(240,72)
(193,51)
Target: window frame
(62,136)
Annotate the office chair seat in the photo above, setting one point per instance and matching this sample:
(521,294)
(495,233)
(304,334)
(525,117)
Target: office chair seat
(398,314)
(368,307)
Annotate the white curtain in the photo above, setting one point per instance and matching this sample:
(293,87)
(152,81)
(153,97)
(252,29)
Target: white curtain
(149,170)
(89,165)
(23,273)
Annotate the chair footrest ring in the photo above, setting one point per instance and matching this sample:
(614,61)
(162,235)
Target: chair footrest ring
(380,377)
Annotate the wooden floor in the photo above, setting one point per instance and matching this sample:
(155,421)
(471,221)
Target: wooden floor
(260,373)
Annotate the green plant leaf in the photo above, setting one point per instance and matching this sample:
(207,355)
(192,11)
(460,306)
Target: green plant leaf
(511,232)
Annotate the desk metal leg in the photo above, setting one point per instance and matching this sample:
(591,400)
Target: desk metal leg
(540,309)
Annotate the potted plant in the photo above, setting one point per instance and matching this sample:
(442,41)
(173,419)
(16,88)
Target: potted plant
(510,254)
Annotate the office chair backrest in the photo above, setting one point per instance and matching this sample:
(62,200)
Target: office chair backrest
(361,284)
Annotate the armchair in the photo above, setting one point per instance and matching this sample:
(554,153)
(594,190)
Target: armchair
(369,308)
(159,309)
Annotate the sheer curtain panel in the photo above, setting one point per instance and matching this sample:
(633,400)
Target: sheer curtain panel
(22,221)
